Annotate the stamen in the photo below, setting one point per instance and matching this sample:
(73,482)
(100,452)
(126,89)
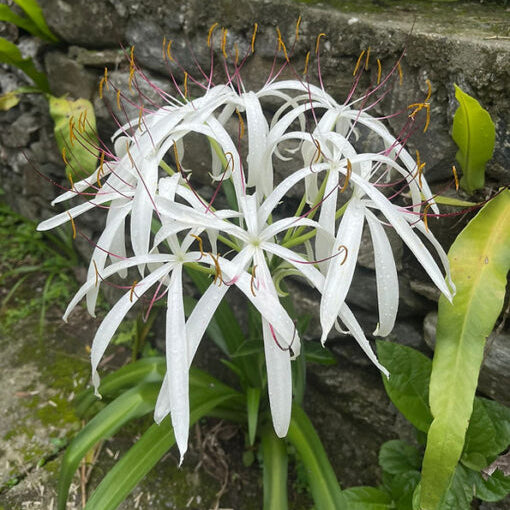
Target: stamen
(97,273)
(106,78)
(185,84)
(131,68)
(255,28)
(236,50)
(209,35)
(132,291)
(176,157)
(252,287)
(367,59)
(241,123)
(101,83)
(229,162)
(356,67)
(307,60)
(64,156)
(319,150)
(400,73)
(379,71)
(347,177)
(425,211)
(200,244)
(129,155)
(419,167)
(72,224)
(163,46)
(70,177)
(429,92)
(281,44)
(169,51)
(317,43)
(456,177)
(298,22)
(72,136)
(118,99)
(340,249)
(218,274)
(140,113)
(224,42)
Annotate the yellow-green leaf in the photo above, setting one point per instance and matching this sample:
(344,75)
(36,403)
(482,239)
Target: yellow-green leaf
(474,133)
(480,261)
(8,101)
(34,12)
(75,132)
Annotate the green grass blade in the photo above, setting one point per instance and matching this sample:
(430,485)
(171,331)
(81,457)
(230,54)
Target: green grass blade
(11,17)
(274,454)
(321,477)
(475,134)
(34,12)
(144,370)
(133,403)
(10,54)
(480,260)
(146,453)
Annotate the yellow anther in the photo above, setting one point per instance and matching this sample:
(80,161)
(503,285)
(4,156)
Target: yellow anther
(425,211)
(252,281)
(298,22)
(224,42)
(73,226)
(80,122)
(429,90)
(356,67)
(367,59)
(97,272)
(140,115)
(176,157)
(185,84)
(106,78)
(70,177)
(254,34)
(344,249)
(200,244)
(281,44)
(347,176)
(419,167)
(241,123)
(318,41)
(84,120)
(118,99)
(318,151)
(456,177)
(417,108)
(169,51)
(307,60)
(132,290)
(379,71)
(217,268)
(132,56)
(101,84)
(230,162)
(131,76)
(163,46)
(72,136)
(209,35)
(64,156)
(400,73)
(236,50)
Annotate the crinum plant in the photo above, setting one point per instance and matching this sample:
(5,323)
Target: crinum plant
(238,229)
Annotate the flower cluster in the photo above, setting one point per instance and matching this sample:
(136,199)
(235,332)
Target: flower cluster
(146,189)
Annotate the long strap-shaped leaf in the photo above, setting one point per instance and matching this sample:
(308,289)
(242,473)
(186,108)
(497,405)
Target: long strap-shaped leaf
(480,260)
(321,477)
(274,452)
(145,454)
(133,403)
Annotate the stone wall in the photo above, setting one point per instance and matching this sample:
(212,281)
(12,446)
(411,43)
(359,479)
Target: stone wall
(472,52)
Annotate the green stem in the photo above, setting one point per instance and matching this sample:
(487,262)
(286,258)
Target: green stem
(274,453)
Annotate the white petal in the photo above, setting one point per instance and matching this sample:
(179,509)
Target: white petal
(386,277)
(339,276)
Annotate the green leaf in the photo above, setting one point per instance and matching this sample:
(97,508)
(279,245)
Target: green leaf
(133,403)
(480,260)
(396,457)
(34,12)
(460,493)
(252,409)
(10,54)
(495,488)
(316,353)
(75,132)
(402,487)
(248,348)
(324,486)
(11,17)
(364,498)
(488,433)
(274,455)
(474,133)
(151,447)
(141,371)
(409,379)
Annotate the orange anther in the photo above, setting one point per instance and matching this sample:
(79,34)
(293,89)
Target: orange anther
(347,176)
(72,224)
(356,67)
(209,35)
(298,22)
(317,43)
(254,34)
(307,60)
(132,290)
